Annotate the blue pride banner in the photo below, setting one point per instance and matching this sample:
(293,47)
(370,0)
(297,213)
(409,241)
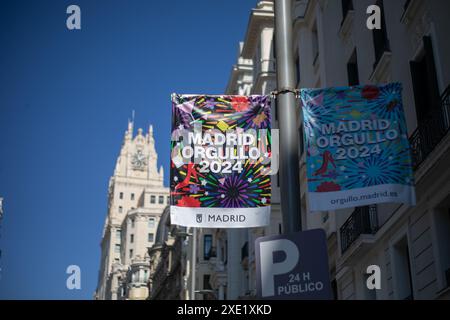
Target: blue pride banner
(357,147)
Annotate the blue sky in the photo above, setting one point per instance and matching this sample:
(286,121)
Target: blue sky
(65,97)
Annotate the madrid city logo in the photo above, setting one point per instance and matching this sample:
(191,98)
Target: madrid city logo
(199,218)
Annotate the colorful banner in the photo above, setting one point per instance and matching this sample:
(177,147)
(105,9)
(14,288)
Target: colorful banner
(357,147)
(220,161)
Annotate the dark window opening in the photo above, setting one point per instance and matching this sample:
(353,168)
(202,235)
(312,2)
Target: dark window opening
(406,5)
(334,289)
(403,274)
(208,249)
(301,139)
(315,44)
(347,5)
(442,222)
(425,83)
(206,284)
(352,70)
(380,37)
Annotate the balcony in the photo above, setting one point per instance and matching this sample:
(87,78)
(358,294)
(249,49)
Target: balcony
(364,220)
(430,132)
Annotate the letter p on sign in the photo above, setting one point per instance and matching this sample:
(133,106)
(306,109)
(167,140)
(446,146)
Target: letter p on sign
(270,270)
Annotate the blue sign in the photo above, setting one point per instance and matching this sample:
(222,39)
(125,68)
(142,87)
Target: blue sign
(293,267)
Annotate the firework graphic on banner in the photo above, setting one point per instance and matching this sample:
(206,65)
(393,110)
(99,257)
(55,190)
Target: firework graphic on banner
(357,147)
(231,190)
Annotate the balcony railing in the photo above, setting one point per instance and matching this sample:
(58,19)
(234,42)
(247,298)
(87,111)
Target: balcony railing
(364,220)
(430,132)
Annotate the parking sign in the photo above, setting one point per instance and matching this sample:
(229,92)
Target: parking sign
(293,266)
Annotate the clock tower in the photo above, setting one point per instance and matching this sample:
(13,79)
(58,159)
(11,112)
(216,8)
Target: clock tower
(136,199)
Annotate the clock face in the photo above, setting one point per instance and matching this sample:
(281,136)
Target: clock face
(138,160)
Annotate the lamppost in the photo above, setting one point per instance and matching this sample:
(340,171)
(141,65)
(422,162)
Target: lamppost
(193,234)
(289,171)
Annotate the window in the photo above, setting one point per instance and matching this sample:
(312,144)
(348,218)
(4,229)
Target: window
(132,222)
(207,246)
(334,289)
(132,196)
(402,272)
(301,139)
(168,199)
(315,44)
(131,238)
(145,275)
(118,235)
(117,248)
(150,237)
(131,253)
(380,37)
(442,223)
(161,200)
(352,70)
(152,199)
(120,209)
(347,5)
(406,5)
(121,195)
(425,83)
(151,222)
(206,284)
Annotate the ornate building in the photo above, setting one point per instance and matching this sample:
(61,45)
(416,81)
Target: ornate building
(136,200)
(168,262)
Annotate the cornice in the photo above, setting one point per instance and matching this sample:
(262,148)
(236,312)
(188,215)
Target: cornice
(260,18)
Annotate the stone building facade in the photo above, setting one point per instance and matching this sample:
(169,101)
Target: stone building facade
(136,200)
(333,47)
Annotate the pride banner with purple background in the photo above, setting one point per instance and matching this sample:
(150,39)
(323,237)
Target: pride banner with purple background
(357,147)
(220,161)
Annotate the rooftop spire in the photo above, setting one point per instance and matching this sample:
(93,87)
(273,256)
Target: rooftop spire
(129,132)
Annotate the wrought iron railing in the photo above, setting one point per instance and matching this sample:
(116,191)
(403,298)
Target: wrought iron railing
(430,132)
(364,220)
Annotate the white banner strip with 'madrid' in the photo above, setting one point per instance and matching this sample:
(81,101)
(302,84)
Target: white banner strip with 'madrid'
(397,193)
(220,217)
